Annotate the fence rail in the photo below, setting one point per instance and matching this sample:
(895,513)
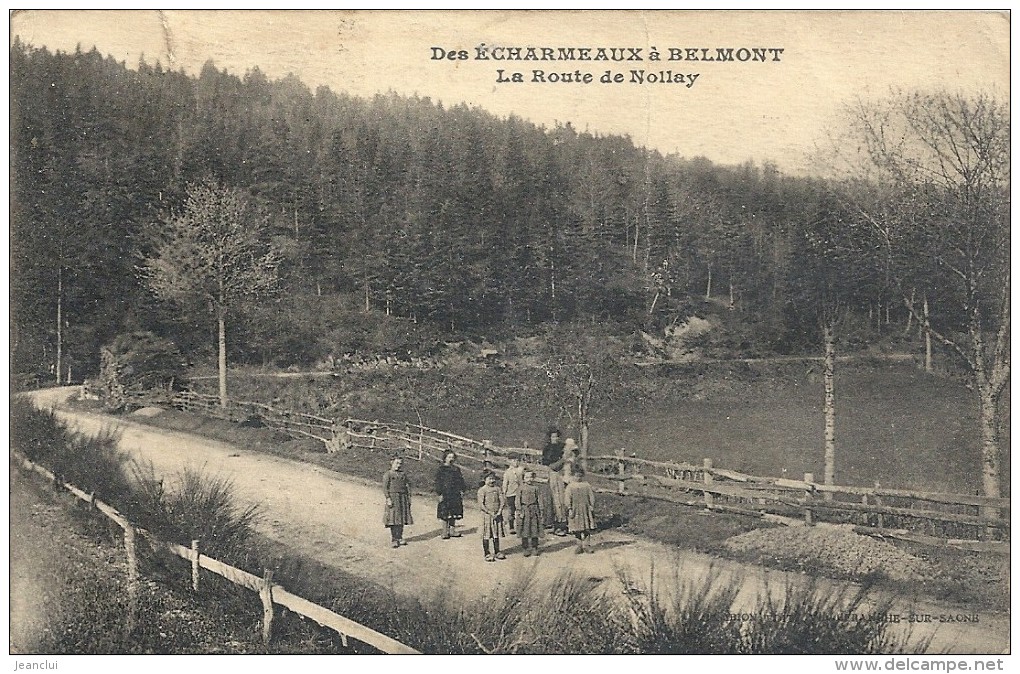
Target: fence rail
(940,518)
(270,592)
(949,519)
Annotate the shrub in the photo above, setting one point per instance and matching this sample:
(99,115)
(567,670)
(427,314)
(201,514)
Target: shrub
(813,617)
(574,616)
(197,506)
(36,432)
(824,619)
(694,619)
(138,363)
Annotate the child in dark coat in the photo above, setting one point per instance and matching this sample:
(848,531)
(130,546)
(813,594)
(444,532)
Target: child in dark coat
(450,487)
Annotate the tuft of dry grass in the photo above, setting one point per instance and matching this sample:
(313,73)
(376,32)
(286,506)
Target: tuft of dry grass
(194,505)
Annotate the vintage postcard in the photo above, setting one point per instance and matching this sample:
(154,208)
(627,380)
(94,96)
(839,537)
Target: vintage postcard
(510,332)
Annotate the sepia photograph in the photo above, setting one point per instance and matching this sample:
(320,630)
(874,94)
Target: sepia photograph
(516,332)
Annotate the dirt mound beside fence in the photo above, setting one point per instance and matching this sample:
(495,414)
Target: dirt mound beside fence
(830,548)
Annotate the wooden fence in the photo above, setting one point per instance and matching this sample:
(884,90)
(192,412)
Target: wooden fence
(269,592)
(295,424)
(959,520)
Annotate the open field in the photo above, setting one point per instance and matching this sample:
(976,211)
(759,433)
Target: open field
(895,424)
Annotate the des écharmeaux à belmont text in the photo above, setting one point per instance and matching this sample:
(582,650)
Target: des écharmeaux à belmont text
(554,58)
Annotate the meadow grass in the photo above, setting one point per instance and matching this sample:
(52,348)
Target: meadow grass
(895,424)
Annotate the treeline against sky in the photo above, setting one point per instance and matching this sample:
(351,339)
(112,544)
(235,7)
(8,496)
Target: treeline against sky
(448,218)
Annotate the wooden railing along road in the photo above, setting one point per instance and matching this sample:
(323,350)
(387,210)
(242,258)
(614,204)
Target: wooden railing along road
(960,520)
(269,592)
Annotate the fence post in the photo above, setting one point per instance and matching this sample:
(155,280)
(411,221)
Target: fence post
(486,449)
(621,470)
(132,577)
(421,443)
(809,478)
(878,503)
(707,479)
(92,501)
(194,565)
(266,595)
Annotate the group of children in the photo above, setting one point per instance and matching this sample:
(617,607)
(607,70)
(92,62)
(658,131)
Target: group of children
(521,497)
(520,500)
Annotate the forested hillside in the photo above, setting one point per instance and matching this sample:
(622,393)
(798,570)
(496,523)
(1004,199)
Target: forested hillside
(455,220)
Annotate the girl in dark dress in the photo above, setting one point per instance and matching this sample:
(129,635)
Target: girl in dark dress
(450,487)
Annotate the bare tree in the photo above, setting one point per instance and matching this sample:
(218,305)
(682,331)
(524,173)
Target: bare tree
(216,252)
(932,181)
(582,368)
(835,267)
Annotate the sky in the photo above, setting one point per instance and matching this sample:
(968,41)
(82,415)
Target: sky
(772,110)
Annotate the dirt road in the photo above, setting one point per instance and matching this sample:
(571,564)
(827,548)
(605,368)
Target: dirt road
(338,521)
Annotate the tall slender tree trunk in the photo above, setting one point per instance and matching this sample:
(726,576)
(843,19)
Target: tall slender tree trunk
(60,321)
(829,370)
(552,283)
(926,326)
(988,378)
(910,314)
(582,423)
(637,231)
(222,327)
(990,455)
(651,309)
(584,445)
(708,286)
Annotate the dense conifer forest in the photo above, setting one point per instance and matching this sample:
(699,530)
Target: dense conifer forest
(449,218)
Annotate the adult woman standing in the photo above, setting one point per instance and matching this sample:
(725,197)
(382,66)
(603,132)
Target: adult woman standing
(549,494)
(450,487)
(557,483)
(397,490)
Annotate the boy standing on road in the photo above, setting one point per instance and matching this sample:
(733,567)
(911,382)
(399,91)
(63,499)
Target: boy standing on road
(513,478)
